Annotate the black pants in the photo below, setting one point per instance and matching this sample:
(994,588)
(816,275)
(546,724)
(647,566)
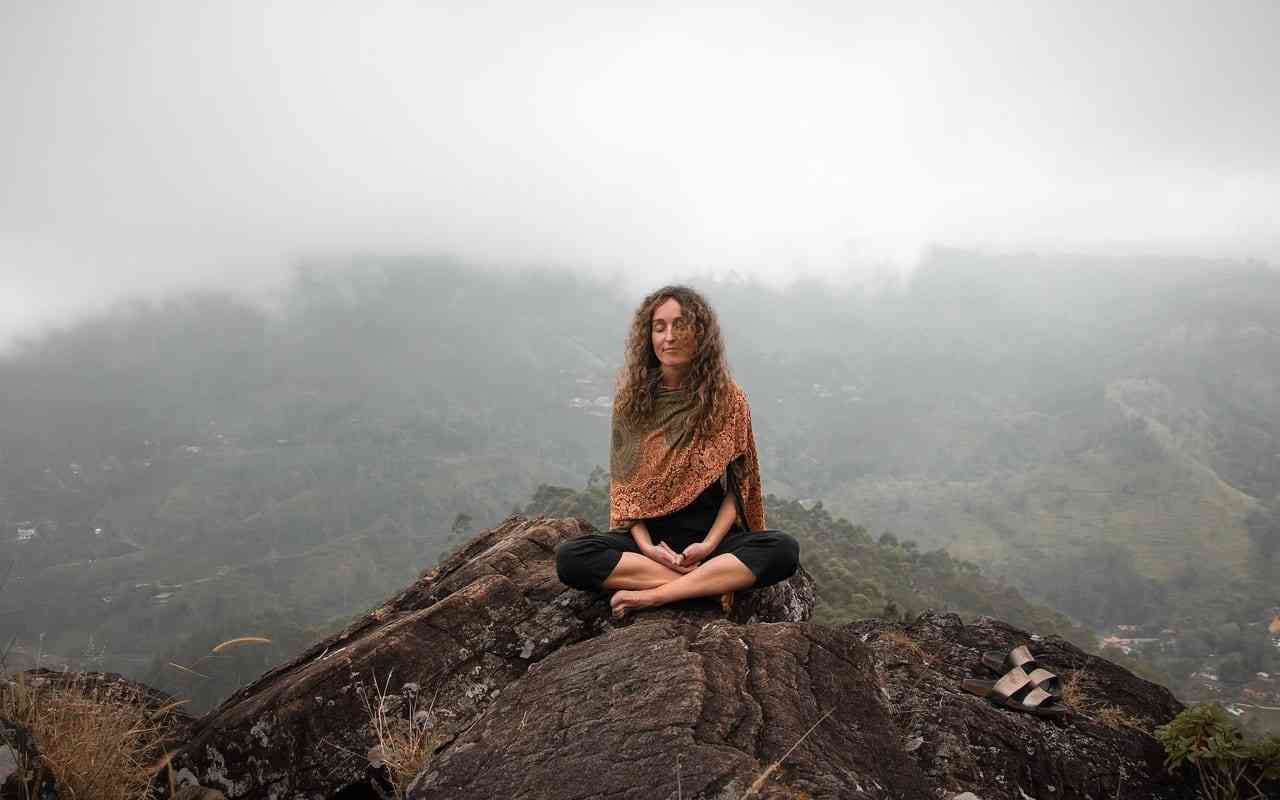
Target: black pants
(585,562)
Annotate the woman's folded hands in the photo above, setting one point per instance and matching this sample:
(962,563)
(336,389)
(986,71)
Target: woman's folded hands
(696,553)
(687,561)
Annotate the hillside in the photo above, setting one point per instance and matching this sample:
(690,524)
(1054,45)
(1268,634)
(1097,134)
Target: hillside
(1099,435)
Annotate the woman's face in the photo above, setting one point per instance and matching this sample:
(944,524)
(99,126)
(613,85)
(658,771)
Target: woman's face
(672,335)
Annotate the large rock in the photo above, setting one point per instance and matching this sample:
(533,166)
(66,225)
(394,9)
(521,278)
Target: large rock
(447,646)
(964,743)
(533,691)
(671,709)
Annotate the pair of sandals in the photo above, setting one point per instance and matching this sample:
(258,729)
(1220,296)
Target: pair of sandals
(1023,686)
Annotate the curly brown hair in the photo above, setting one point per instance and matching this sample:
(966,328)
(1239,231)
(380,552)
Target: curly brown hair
(709,380)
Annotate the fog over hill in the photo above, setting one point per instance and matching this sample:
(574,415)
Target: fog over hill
(1101,434)
(175,145)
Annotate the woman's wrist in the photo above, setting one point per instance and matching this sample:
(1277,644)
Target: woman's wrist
(723,522)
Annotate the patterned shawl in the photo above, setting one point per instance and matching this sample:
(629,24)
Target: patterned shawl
(657,467)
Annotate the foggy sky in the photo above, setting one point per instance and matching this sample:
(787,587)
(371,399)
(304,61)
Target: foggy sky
(158,145)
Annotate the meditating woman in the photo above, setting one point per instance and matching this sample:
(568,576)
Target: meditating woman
(686,510)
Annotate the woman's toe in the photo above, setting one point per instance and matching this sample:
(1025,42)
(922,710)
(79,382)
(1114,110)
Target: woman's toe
(618,604)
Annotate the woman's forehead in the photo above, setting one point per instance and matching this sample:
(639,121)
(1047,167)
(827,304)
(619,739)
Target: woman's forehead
(667,309)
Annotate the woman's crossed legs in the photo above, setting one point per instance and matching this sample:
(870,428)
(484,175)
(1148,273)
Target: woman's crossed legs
(612,562)
(716,576)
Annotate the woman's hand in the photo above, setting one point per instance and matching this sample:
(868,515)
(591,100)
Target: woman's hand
(664,555)
(683,564)
(696,553)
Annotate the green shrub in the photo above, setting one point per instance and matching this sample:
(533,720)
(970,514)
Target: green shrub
(1206,737)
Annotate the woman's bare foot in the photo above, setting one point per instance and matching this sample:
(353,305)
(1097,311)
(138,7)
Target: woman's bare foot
(625,600)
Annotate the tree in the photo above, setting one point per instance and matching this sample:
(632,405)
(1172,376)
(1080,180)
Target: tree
(1232,669)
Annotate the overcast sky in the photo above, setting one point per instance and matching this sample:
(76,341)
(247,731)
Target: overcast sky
(160,144)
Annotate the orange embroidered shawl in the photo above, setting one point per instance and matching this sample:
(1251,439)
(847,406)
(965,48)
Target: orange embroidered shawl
(656,467)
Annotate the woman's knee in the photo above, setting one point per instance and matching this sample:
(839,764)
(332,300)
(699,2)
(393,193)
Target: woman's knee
(577,562)
(568,561)
(785,556)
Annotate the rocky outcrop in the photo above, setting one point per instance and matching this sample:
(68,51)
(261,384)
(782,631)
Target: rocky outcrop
(446,647)
(667,709)
(963,743)
(531,690)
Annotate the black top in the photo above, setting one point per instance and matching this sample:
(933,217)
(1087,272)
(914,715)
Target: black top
(691,523)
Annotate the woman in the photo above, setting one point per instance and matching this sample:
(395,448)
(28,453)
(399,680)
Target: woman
(686,511)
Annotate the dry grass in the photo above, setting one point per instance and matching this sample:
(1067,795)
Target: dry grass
(99,740)
(1075,695)
(1076,692)
(218,648)
(404,732)
(1117,718)
(763,777)
(902,641)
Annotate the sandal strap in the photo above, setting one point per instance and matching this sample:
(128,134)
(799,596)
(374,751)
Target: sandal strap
(1020,656)
(1037,698)
(1010,684)
(1040,676)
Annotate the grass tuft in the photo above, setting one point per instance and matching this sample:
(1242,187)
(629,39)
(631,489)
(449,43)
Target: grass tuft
(1075,695)
(902,641)
(1076,688)
(1117,718)
(404,731)
(99,740)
